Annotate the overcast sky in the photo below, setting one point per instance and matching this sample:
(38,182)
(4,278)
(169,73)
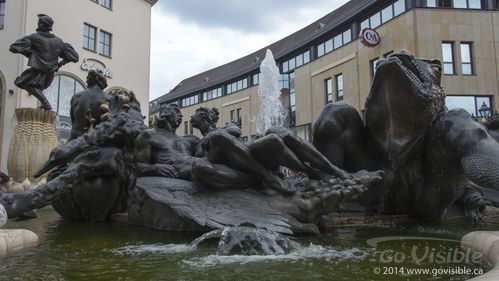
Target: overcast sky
(192,36)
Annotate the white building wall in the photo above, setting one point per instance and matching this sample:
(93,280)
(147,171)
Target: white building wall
(129,22)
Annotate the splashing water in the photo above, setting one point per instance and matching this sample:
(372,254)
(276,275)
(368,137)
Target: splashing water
(303,253)
(153,248)
(272,112)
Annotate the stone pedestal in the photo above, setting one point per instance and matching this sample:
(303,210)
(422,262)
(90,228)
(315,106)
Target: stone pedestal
(32,143)
(487,243)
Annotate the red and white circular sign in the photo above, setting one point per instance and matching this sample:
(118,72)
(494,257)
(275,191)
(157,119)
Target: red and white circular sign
(369,37)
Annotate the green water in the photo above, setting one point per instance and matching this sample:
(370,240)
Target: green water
(76,251)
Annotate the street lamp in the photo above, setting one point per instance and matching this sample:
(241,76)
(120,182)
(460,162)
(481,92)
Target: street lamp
(484,110)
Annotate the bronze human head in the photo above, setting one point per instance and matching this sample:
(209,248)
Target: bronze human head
(169,114)
(45,23)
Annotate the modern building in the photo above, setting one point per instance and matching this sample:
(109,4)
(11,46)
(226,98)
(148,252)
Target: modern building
(113,36)
(326,61)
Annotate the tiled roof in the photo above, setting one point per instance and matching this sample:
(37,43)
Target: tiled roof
(339,18)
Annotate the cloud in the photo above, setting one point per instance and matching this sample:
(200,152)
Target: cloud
(249,16)
(189,37)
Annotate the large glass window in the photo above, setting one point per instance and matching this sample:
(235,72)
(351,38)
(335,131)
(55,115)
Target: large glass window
(339,87)
(466,59)
(386,14)
(190,100)
(89,34)
(212,94)
(303,58)
(335,42)
(105,43)
(2,13)
(59,94)
(471,104)
(448,57)
(237,86)
(329,90)
(459,4)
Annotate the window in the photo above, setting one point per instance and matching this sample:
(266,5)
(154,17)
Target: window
(239,116)
(190,100)
(292,94)
(448,57)
(212,94)
(333,43)
(329,90)
(471,104)
(284,81)
(459,4)
(2,13)
(338,41)
(347,36)
(339,87)
(233,116)
(186,127)
(105,43)
(89,34)
(444,3)
(237,86)
(292,64)
(104,3)
(306,57)
(474,4)
(466,59)
(256,79)
(59,94)
(364,24)
(320,50)
(373,63)
(398,7)
(384,15)
(301,59)
(328,47)
(375,20)
(285,65)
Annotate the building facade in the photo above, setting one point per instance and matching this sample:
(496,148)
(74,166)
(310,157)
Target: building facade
(327,62)
(113,36)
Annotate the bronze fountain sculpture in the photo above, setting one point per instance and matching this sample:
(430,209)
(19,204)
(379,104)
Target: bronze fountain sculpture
(184,183)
